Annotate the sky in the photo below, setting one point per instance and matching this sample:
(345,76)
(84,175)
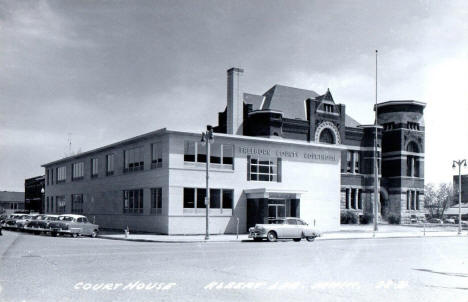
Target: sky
(97,72)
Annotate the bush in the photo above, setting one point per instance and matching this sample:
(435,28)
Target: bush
(349,217)
(393,219)
(366,218)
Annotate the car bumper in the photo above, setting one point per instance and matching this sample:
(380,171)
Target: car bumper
(257,235)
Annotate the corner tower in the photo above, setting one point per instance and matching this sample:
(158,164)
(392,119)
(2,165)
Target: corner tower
(402,158)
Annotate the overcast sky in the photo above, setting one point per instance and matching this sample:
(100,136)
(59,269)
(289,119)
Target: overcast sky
(109,70)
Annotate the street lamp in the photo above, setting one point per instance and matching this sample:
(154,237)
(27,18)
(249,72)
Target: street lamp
(42,197)
(207,139)
(459,164)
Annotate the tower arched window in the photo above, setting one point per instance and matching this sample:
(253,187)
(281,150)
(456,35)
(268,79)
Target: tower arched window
(412,162)
(327,136)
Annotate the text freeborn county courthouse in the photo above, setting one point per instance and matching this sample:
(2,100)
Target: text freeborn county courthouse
(288,152)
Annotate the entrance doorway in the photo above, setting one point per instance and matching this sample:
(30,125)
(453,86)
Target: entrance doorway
(276,209)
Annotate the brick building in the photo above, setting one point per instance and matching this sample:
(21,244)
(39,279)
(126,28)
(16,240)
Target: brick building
(288,152)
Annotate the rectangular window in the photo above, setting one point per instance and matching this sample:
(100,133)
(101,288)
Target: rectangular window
(77,170)
(110,164)
(61,204)
(353,199)
(201,194)
(52,207)
(228,197)
(359,196)
(189,198)
(262,169)
(189,151)
(215,153)
(347,198)
(348,161)
(201,153)
(408,197)
(416,167)
(47,205)
(47,176)
(51,176)
(156,200)
(215,198)
(133,160)
(61,174)
(94,167)
(77,203)
(228,154)
(417,200)
(156,155)
(133,201)
(356,162)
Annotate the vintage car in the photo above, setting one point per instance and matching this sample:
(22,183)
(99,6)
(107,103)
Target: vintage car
(24,220)
(10,222)
(73,225)
(284,228)
(40,223)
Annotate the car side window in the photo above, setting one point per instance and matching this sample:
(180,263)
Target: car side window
(79,220)
(84,219)
(292,221)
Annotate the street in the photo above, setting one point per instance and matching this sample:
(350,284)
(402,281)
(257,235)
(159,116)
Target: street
(43,268)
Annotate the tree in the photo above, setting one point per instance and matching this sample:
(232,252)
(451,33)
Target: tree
(439,199)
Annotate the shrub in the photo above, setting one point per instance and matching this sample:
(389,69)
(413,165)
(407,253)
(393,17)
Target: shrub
(393,219)
(348,217)
(366,218)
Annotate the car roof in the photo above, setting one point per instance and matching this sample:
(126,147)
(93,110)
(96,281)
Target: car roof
(72,215)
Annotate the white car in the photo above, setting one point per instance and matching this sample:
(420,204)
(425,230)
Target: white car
(285,228)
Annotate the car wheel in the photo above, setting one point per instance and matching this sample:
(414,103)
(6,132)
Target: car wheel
(74,235)
(54,234)
(272,236)
(94,234)
(297,239)
(310,238)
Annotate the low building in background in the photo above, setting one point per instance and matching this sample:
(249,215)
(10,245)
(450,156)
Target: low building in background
(11,202)
(34,189)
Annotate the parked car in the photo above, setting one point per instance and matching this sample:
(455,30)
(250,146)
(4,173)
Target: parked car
(287,228)
(73,225)
(10,222)
(449,221)
(40,223)
(23,220)
(435,220)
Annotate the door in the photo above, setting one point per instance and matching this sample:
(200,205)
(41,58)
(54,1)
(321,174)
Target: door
(277,209)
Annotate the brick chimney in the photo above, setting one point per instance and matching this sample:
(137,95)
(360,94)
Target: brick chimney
(235,108)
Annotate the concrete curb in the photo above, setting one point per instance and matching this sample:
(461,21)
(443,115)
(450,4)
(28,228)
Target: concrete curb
(250,240)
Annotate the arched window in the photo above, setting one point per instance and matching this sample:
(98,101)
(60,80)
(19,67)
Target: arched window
(412,147)
(327,136)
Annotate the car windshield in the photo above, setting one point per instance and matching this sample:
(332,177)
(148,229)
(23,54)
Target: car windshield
(65,218)
(277,221)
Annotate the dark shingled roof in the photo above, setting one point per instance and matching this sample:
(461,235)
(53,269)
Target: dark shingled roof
(289,100)
(350,122)
(255,100)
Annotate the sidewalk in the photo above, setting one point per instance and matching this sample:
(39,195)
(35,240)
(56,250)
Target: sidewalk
(346,232)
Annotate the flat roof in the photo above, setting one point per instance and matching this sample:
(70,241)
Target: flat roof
(400,102)
(166,131)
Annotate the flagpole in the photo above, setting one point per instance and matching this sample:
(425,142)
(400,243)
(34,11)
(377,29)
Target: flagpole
(376,164)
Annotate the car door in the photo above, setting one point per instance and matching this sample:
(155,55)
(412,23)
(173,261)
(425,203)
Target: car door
(291,230)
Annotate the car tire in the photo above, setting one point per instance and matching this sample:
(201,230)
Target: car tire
(310,238)
(271,236)
(54,234)
(297,239)
(74,235)
(94,234)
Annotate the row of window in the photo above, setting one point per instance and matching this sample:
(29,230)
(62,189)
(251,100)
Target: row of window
(219,153)
(263,169)
(412,200)
(133,161)
(59,206)
(194,198)
(353,198)
(409,125)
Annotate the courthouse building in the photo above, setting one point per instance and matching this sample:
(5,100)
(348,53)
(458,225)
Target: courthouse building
(288,152)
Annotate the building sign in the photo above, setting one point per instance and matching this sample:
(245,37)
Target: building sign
(320,155)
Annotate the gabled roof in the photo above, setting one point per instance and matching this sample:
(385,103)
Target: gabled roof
(289,100)
(326,97)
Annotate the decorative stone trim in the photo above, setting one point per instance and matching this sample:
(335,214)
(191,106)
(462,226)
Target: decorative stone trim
(327,125)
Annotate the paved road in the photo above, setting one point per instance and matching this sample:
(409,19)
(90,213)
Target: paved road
(41,268)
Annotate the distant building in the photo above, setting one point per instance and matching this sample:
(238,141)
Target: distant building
(11,201)
(464,188)
(33,201)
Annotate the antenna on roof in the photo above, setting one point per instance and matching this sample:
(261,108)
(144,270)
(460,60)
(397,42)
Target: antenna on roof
(69,144)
